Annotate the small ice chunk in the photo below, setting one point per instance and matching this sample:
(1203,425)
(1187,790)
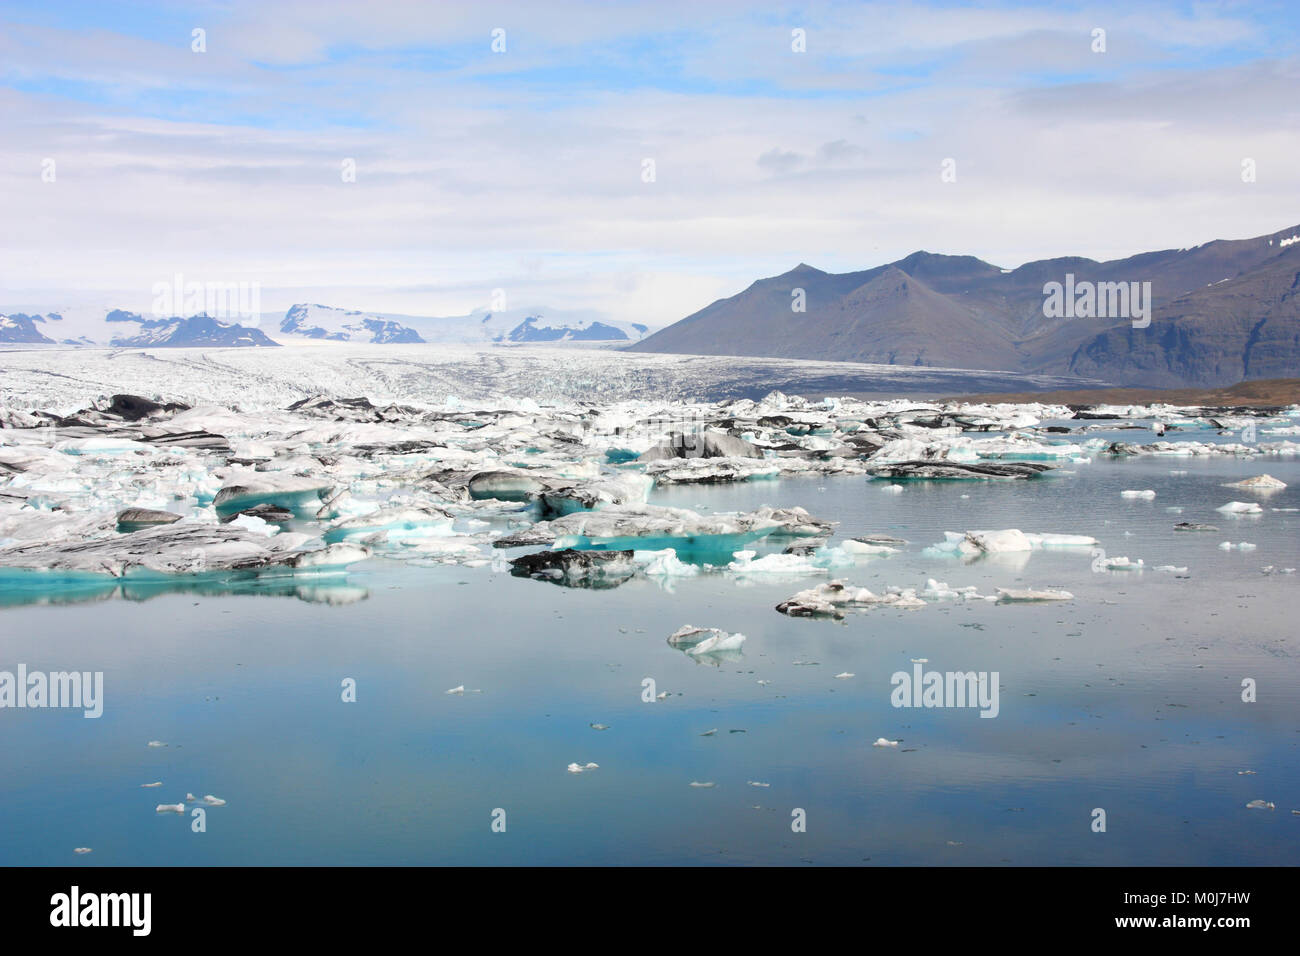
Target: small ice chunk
(1239,508)
(996,542)
(853,546)
(1146,494)
(1007,595)
(1260,805)
(882,742)
(81,849)
(582,768)
(746,564)
(757,783)
(893,489)
(1258,483)
(212,801)
(256,525)
(696,783)
(156,783)
(170,808)
(844,676)
(456,690)
(664,564)
(1171,569)
(599,726)
(697,641)
(156,743)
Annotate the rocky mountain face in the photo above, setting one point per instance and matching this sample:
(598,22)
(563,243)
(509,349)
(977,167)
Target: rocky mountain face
(1219,313)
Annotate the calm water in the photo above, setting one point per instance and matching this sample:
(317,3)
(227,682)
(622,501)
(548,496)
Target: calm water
(1127,699)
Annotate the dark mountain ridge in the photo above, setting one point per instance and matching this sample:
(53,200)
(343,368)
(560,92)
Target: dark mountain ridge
(1220,313)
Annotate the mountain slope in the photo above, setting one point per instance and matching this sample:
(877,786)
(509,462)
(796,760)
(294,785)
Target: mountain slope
(961,312)
(1245,328)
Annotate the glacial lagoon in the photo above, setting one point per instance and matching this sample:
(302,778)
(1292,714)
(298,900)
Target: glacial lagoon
(1126,698)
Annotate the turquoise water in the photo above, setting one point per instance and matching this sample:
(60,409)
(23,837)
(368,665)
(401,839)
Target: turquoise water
(1126,698)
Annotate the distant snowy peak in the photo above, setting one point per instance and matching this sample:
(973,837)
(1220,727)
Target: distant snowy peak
(306,323)
(337,325)
(194,330)
(119,328)
(526,326)
(22,328)
(530,330)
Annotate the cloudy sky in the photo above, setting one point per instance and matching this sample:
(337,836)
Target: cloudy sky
(525,169)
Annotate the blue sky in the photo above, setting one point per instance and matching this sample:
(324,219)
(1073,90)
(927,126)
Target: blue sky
(524,169)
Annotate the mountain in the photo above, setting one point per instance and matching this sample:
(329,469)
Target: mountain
(307,323)
(22,328)
(1221,312)
(324,322)
(192,331)
(119,328)
(507,327)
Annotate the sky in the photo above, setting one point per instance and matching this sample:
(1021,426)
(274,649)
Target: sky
(640,160)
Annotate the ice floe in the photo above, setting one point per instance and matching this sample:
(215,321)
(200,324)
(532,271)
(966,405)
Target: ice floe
(1029,595)
(1260,483)
(707,644)
(1240,508)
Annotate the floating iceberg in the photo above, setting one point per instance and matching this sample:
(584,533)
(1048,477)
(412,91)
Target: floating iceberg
(1007,595)
(1260,483)
(702,642)
(573,568)
(829,600)
(176,549)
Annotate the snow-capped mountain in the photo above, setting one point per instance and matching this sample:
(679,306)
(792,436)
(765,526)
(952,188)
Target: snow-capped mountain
(507,327)
(338,325)
(101,325)
(23,328)
(116,327)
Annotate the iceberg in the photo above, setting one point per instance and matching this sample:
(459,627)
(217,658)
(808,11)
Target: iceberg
(1019,595)
(829,600)
(1240,508)
(573,568)
(182,548)
(392,523)
(1258,483)
(701,642)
